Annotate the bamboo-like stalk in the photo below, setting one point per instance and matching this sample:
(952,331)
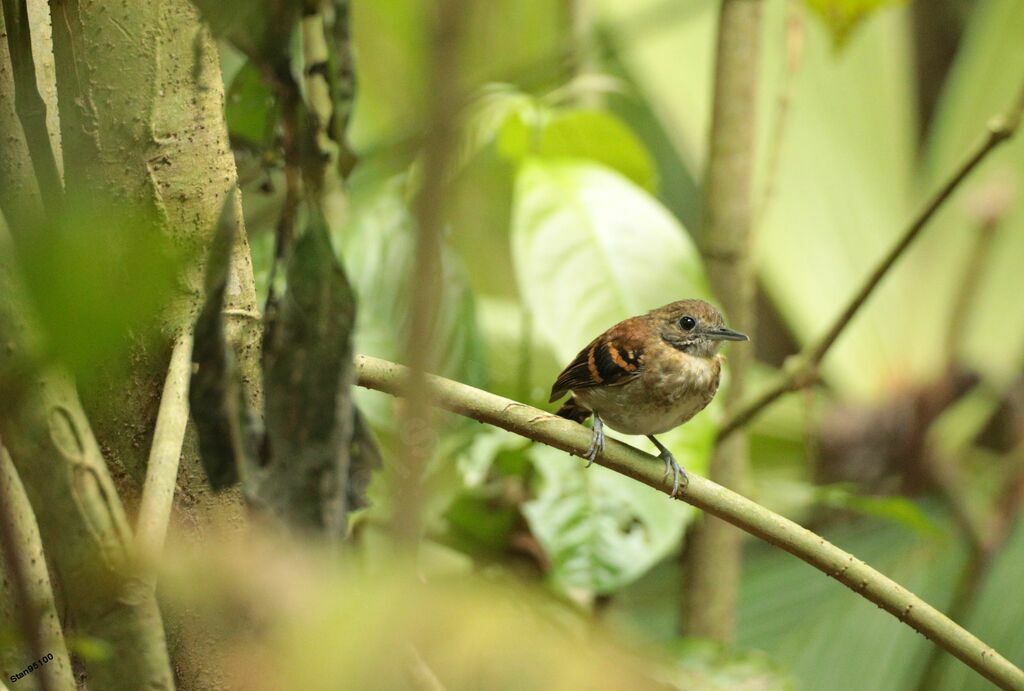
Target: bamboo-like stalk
(745,514)
(714,553)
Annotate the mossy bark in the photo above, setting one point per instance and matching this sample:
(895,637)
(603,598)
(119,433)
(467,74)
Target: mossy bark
(141,101)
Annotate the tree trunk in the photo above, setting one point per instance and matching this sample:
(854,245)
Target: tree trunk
(141,99)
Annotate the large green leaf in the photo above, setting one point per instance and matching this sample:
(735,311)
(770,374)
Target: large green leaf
(984,81)
(596,136)
(590,249)
(600,529)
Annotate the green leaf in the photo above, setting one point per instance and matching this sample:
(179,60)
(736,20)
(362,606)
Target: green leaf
(897,509)
(591,248)
(843,16)
(249,108)
(515,41)
(599,137)
(600,529)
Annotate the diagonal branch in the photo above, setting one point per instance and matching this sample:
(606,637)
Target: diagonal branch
(549,429)
(165,453)
(802,369)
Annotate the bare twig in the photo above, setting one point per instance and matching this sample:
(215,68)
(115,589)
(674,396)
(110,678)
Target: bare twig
(165,453)
(802,369)
(573,438)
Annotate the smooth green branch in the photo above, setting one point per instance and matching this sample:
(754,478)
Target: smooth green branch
(165,454)
(802,369)
(573,438)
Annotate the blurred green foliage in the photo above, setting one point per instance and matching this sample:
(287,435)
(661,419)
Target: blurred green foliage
(99,274)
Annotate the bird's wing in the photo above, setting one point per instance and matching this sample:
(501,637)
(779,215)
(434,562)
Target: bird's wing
(614,357)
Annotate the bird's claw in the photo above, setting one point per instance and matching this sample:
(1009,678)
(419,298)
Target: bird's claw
(677,472)
(596,443)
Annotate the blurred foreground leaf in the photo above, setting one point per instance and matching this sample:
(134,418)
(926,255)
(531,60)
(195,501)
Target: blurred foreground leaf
(298,621)
(99,276)
(710,666)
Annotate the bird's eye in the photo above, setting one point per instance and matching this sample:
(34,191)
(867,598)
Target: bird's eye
(687,323)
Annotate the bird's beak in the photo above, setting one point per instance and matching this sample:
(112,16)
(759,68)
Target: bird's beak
(724,334)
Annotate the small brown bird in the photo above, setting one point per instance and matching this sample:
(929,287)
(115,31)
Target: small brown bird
(647,375)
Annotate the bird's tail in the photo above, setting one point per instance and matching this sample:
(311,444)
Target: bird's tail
(572,410)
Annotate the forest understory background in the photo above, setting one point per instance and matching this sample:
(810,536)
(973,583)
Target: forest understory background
(223,223)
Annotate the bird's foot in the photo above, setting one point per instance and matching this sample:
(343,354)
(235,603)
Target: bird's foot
(672,467)
(597,443)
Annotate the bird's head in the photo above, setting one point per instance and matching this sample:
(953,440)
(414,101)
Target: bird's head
(694,327)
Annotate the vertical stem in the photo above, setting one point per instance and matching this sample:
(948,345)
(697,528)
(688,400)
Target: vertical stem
(29,104)
(24,565)
(417,438)
(714,558)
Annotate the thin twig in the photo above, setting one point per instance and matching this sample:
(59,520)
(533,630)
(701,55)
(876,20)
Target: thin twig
(165,453)
(802,369)
(573,438)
